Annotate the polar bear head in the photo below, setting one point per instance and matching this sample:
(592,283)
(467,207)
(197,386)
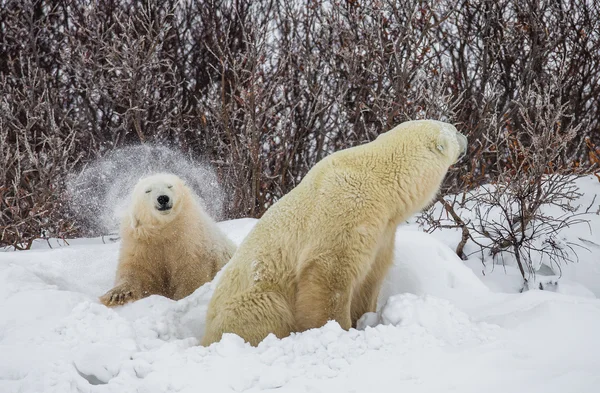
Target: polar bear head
(449,141)
(441,139)
(158,199)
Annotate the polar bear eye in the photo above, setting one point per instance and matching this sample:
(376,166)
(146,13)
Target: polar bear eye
(148,191)
(169,186)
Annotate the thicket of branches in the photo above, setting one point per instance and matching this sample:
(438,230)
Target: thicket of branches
(265,89)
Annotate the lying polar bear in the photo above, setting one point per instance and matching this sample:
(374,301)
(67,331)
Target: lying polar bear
(169,244)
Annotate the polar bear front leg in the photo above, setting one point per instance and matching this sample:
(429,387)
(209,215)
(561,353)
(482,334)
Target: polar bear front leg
(133,283)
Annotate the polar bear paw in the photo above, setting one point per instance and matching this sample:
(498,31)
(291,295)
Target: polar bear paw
(122,294)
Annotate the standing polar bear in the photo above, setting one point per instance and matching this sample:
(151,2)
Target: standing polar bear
(321,252)
(169,244)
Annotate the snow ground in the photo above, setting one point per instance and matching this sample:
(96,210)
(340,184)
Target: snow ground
(443,325)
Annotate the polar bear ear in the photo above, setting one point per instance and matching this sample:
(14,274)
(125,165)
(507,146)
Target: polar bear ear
(440,145)
(446,144)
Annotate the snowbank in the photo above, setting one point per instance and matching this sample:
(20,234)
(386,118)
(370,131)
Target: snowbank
(439,329)
(424,265)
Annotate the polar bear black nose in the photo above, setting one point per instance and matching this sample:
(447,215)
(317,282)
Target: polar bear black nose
(163,199)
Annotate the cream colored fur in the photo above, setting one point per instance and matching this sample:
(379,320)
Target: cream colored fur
(168,253)
(322,251)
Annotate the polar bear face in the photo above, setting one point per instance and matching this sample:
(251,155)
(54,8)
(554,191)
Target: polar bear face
(158,198)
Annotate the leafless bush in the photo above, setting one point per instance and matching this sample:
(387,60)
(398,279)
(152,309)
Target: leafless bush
(37,147)
(264,90)
(314,79)
(522,211)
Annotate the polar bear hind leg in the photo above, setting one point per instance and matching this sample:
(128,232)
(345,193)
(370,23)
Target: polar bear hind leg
(252,316)
(326,286)
(365,295)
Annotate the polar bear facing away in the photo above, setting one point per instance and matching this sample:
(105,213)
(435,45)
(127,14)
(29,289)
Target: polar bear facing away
(321,252)
(169,244)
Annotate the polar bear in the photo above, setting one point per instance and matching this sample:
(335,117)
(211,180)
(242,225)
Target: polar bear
(321,252)
(169,244)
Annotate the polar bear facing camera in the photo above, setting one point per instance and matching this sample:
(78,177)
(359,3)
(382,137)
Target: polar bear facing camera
(321,252)
(169,244)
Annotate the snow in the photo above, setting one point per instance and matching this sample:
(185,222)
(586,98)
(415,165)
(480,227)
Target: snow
(424,265)
(443,325)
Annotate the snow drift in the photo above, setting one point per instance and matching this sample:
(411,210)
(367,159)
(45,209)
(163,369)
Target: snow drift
(442,325)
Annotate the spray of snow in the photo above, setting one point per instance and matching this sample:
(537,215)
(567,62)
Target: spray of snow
(99,194)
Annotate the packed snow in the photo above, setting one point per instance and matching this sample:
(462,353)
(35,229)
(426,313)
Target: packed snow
(443,325)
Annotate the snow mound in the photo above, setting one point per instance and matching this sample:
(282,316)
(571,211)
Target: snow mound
(424,265)
(437,317)
(238,229)
(439,329)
